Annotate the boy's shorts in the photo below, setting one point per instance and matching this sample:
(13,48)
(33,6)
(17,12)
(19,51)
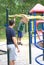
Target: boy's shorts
(12,52)
(20,34)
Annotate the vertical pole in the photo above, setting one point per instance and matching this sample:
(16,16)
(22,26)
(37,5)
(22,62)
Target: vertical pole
(6,26)
(30,41)
(34,29)
(43,46)
(6,16)
(43,39)
(8,55)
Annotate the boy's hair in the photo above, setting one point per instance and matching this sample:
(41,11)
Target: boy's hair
(11,22)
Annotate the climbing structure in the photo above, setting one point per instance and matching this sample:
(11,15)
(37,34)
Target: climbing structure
(38,9)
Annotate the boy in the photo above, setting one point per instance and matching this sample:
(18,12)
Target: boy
(20,29)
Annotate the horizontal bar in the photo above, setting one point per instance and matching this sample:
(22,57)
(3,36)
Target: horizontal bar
(27,16)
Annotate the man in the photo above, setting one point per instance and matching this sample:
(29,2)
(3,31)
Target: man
(11,42)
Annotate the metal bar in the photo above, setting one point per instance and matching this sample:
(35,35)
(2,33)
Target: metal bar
(34,29)
(8,56)
(6,26)
(27,16)
(7,17)
(43,38)
(43,46)
(29,44)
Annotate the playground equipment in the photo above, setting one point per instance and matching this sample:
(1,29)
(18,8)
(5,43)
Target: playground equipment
(37,9)
(29,18)
(3,52)
(41,42)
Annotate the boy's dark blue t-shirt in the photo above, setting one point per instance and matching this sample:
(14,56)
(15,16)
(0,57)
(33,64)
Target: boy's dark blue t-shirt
(9,34)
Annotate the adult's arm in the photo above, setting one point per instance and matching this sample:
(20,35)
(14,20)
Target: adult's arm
(15,43)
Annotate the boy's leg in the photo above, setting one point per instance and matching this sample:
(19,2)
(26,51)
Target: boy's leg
(19,41)
(19,38)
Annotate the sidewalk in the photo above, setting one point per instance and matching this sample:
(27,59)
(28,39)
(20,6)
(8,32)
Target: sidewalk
(23,56)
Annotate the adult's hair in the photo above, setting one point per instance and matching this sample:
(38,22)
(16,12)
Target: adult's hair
(11,22)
